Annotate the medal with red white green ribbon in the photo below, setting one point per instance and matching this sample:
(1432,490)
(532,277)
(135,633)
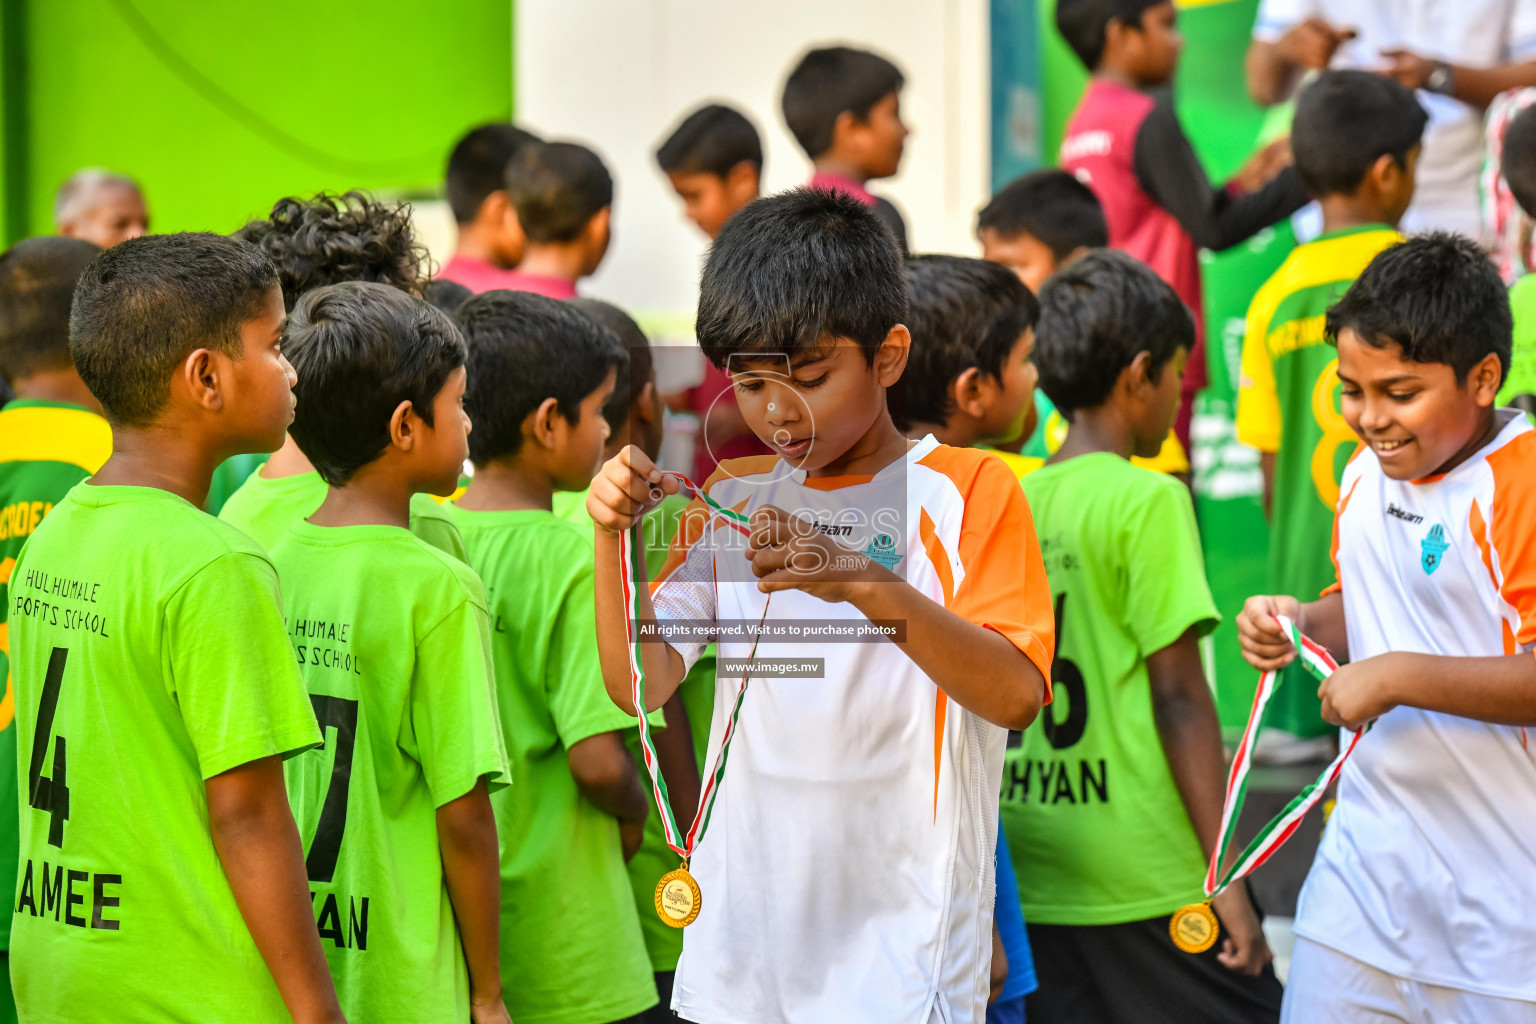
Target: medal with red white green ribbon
(1194,928)
(677,894)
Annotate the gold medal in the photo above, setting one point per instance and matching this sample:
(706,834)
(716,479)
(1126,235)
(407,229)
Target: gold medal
(677,898)
(1193,928)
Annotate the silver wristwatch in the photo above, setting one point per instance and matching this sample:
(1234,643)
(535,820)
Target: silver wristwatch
(1441,80)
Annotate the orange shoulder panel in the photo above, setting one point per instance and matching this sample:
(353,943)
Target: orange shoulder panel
(1512,528)
(691,522)
(693,519)
(747,465)
(1004,586)
(1333,547)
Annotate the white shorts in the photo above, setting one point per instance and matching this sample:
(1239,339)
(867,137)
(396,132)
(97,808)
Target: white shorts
(1327,987)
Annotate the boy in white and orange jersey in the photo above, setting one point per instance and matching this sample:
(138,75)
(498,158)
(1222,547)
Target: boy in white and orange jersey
(1419,906)
(847,868)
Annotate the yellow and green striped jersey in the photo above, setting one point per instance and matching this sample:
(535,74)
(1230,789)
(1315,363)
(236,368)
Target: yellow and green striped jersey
(1288,405)
(45,449)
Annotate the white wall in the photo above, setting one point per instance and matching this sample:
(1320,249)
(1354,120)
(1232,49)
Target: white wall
(619,74)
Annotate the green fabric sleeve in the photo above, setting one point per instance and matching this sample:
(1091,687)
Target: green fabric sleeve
(1165,573)
(432,523)
(232,671)
(453,729)
(578,702)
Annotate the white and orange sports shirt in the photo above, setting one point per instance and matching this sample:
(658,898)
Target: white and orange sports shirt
(1426,867)
(847,869)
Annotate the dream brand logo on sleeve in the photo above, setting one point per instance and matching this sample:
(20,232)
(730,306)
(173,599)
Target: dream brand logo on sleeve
(1432,547)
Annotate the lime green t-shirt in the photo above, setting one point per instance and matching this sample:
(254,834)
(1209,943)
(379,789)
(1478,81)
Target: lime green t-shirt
(393,641)
(572,507)
(1288,405)
(1098,832)
(1522,359)
(45,449)
(148,637)
(571,947)
(265,508)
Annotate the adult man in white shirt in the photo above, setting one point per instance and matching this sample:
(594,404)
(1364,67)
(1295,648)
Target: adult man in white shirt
(1459,54)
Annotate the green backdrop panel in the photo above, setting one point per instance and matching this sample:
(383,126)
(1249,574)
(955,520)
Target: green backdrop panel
(219,109)
(1016,93)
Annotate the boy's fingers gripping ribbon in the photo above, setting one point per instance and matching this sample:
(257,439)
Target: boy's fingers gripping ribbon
(634,580)
(1317,662)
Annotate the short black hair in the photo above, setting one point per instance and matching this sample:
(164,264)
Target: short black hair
(1436,296)
(144,305)
(1096,314)
(557,187)
(1518,159)
(332,238)
(37,281)
(359,350)
(711,140)
(623,326)
(828,81)
(446,295)
(963,313)
(524,348)
(1084,24)
(793,269)
(478,166)
(1347,120)
(1051,206)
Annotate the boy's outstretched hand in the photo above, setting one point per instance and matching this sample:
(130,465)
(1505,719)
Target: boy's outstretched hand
(625,488)
(789,553)
(1265,645)
(1262,167)
(1313,42)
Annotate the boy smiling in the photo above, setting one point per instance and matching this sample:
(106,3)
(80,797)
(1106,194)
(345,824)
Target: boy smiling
(1418,906)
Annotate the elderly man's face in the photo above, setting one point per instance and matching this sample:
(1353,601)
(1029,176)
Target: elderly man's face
(112,214)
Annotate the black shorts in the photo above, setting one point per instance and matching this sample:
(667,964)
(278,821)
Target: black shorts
(1133,974)
(661,1013)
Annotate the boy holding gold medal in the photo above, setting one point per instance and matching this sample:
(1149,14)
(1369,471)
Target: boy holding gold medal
(840,868)
(1419,906)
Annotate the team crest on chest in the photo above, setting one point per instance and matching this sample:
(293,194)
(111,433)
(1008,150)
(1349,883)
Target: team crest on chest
(883,550)
(1432,549)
